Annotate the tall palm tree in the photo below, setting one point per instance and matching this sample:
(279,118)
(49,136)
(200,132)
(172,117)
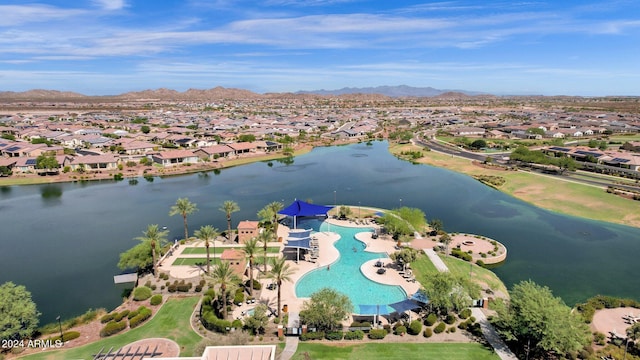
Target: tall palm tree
(183,207)
(229,207)
(264,237)
(223,275)
(274,208)
(208,233)
(156,238)
(280,272)
(250,249)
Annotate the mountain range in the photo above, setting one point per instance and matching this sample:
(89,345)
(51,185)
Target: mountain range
(232,93)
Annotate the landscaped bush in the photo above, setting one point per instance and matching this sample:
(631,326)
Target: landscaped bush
(156,300)
(334,335)
(107,317)
(211,322)
(113,327)
(172,288)
(66,336)
(238,298)
(143,314)
(182,287)
(210,293)
(141,293)
(440,328)
(360,324)
(475,329)
(465,313)
(387,328)
(430,319)
(377,334)
(236,324)
(415,327)
(450,319)
(451,329)
(312,336)
(198,288)
(463,325)
(121,315)
(461,254)
(256,284)
(401,330)
(354,335)
(427,333)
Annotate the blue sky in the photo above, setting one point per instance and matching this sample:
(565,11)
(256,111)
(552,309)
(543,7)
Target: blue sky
(103,47)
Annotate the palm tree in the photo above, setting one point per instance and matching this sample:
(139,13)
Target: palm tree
(156,239)
(280,272)
(183,207)
(223,275)
(229,207)
(250,249)
(264,237)
(208,233)
(274,208)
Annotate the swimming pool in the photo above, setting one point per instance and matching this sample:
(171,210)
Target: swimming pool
(344,275)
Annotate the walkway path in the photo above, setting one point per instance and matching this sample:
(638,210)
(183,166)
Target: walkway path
(487,330)
(291,344)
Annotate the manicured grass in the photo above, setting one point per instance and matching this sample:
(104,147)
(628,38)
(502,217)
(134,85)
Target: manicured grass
(544,191)
(171,321)
(195,261)
(404,351)
(191,250)
(423,268)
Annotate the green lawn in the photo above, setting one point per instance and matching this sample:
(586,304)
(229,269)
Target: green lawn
(195,261)
(423,268)
(193,250)
(172,322)
(404,351)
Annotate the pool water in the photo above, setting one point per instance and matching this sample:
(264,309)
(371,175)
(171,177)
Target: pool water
(344,275)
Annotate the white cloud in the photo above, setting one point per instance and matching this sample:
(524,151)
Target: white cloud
(110,5)
(13,15)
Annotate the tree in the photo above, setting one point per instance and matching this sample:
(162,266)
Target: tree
(535,318)
(47,162)
(436,225)
(445,239)
(446,292)
(326,309)
(535,130)
(183,207)
(138,257)
(208,233)
(264,237)
(229,207)
(223,275)
(246,138)
(155,238)
(566,163)
(18,312)
(145,129)
(250,249)
(478,144)
(258,321)
(274,209)
(280,272)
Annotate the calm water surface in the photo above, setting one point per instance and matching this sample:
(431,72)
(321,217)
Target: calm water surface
(63,241)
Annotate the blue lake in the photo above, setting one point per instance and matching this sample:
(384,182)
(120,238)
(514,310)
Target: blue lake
(62,241)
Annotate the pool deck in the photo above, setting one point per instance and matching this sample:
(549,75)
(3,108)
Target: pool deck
(328,254)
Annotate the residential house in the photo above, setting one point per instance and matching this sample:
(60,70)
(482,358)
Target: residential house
(95,162)
(243,147)
(175,157)
(214,152)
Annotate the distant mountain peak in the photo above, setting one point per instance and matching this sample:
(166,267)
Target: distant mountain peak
(392,91)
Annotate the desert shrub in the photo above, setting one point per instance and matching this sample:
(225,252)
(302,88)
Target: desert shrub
(360,324)
(312,336)
(256,284)
(156,300)
(238,298)
(113,327)
(439,328)
(415,327)
(143,314)
(463,325)
(121,315)
(107,317)
(141,293)
(377,334)
(451,329)
(198,288)
(172,288)
(401,330)
(599,338)
(465,313)
(450,319)
(387,328)
(334,335)
(236,324)
(475,329)
(427,333)
(354,335)
(66,336)
(182,287)
(430,319)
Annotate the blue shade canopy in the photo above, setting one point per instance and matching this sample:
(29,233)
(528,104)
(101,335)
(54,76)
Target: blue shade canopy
(301,208)
(404,305)
(299,243)
(420,296)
